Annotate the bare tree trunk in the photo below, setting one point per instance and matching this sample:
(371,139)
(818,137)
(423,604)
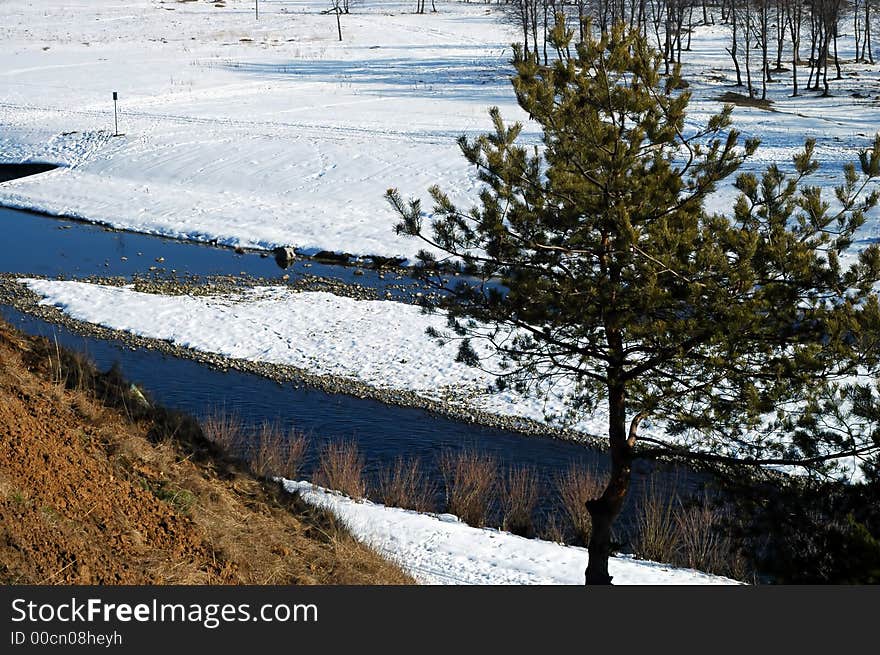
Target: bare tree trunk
(545,2)
(690,29)
(534,10)
(748,47)
(857,30)
(823,58)
(733,49)
(814,39)
(643,19)
(836,58)
(780,33)
(580,6)
(605,509)
(794,15)
(764,18)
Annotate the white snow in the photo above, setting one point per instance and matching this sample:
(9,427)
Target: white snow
(379,343)
(440,549)
(289,138)
(272,132)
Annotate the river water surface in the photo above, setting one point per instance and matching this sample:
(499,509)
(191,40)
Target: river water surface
(38,245)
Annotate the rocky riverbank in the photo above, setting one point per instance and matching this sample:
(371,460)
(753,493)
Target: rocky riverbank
(23,299)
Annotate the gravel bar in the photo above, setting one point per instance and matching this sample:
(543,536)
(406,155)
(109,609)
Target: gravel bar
(20,297)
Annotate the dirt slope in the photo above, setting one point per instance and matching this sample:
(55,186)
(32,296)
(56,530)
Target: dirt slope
(98,488)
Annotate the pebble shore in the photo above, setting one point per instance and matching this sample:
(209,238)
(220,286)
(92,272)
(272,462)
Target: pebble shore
(16,295)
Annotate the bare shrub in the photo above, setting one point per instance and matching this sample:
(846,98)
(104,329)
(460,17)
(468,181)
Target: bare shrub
(553,529)
(341,467)
(403,484)
(519,496)
(704,543)
(657,535)
(225,430)
(470,483)
(277,454)
(575,487)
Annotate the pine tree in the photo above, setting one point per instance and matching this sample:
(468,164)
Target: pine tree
(610,273)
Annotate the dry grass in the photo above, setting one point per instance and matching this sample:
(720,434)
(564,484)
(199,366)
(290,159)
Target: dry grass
(341,467)
(657,536)
(225,430)
(698,536)
(553,529)
(403,484)
(519,497)
(277,454)
(470,482)
(575,487)
(703,542)
(689,534)
(155,502)
(742,100)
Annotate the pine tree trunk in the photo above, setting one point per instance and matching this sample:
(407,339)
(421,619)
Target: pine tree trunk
(605,509)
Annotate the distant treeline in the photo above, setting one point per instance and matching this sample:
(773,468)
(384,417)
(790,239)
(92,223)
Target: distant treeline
(765,37)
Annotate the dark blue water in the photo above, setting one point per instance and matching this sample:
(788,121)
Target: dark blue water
(39,245)
(34,244)
(382,432)
(15,171)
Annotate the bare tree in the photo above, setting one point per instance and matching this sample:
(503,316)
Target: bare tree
(794,14)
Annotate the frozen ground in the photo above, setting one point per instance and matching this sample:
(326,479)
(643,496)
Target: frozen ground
(272,132)
(440,549)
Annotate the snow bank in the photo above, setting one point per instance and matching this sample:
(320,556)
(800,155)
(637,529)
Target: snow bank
(440,549)
(379,343)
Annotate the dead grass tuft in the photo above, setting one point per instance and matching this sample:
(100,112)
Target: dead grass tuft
(277,454)
(341,467)
(657,535)
(470,482)
(403,484)
(519,497)
(575,487)
(225,430)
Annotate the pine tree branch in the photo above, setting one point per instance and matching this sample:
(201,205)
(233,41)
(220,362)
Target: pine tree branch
(667,449)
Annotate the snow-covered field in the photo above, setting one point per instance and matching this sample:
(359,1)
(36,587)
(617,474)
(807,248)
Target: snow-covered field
(257,133)
(440,549)
(273,132)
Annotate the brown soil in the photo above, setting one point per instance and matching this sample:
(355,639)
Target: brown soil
(113,491)
(742,100)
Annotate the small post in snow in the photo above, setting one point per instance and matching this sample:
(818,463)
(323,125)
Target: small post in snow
(115,115)
(257,9)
